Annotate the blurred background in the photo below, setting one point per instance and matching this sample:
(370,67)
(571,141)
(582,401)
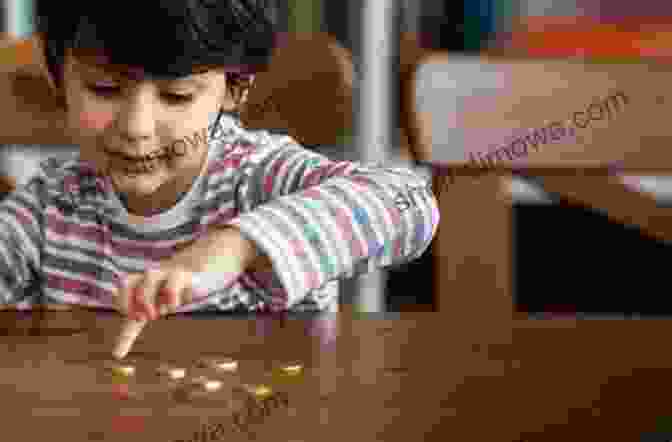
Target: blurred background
(580,237)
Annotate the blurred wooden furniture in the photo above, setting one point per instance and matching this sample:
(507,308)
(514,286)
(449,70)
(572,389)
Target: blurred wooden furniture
(411,53)
(307,91)
(474,245)
(471,248)
(632,56)
(31,114)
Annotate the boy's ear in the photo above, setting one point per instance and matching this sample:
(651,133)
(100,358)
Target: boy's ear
(245,90)
(41,59)
(240,90)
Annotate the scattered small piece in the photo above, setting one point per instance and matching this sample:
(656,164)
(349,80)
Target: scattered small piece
(224,364)
(172,372)
(259,391)
(195,388)
(122,370)
(209,385)
(212,385)
(293,369)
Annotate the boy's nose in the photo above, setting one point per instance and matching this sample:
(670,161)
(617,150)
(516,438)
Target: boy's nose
(136,121)
(134,139)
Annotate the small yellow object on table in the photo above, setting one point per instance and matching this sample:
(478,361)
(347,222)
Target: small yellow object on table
(287,374)
(123,370)
(292,370)
(258,391)
(121,373)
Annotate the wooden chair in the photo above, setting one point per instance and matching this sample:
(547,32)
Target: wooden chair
(473,245)
(638,141)
(468,254)
(310,101)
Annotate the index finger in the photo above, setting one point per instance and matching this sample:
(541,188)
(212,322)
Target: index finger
(131,328)
(129,333)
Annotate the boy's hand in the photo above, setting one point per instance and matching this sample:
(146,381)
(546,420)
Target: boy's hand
(157,292)
(142,297)
(161,290)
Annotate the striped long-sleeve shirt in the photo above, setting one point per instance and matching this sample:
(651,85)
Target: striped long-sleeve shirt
(65,237)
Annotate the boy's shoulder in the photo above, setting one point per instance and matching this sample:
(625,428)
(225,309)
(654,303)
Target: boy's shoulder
(69,177)
(58,168)
(68,173)
(249,145)
(257,140)
(63,180)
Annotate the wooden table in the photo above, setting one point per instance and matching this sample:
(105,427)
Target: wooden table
(411,376)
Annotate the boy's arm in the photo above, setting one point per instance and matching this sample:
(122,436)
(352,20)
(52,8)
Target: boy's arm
(21,238)
(317,220)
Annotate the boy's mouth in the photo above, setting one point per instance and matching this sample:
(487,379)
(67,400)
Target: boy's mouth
(135,165)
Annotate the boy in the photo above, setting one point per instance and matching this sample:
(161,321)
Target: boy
(238,220)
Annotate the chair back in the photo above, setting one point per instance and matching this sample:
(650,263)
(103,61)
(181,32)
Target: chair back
(510,112)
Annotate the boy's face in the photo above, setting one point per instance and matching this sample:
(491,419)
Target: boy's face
(126,124)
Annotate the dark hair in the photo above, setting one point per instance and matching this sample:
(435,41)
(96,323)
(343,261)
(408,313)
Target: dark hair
(166,38)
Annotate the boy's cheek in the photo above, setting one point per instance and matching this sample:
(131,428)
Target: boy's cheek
(96,121)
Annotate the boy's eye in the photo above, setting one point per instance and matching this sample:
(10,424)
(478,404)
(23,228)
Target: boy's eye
(109,90)
(103,90)
(177,98)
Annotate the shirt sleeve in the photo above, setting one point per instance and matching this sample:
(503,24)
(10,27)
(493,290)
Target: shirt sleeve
(319,220)
(21,238)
